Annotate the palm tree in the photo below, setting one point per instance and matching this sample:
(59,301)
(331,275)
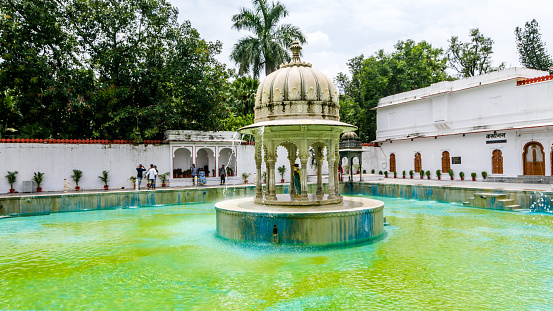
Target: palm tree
(268,47)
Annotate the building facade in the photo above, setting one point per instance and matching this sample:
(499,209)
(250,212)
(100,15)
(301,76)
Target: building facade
(500,123)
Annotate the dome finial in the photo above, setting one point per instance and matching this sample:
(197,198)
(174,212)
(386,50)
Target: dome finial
(295,48)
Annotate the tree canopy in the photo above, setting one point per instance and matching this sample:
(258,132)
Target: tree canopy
(268,47)
(471,58)
(410,66)
(531,49)
(106,69)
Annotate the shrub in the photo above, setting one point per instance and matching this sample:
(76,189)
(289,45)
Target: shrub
(473,175)
(11,177)
(422,173)
(403,173)
(104,177)
(427,173)
(77,175)
(38,177)
(379,172)
(372,171)
(438,173)
(411,173)
(461,174)
(484,174)
(451,173)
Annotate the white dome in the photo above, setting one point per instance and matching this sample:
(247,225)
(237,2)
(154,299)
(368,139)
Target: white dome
(296,91)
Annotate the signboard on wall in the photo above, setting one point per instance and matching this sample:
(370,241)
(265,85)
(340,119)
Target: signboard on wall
(455,160)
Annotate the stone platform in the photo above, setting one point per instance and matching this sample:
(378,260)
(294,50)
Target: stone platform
(352,221)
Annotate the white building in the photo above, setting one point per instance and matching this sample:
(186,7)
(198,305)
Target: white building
(500,122)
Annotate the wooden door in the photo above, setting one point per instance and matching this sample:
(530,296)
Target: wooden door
(446,162)
(418,162)
(534,159)
(497,162)
(392,162)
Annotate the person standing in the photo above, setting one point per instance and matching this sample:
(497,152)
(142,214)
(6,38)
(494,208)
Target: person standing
(152,177)
(140,174)
(223,174)
(297,180)
(194,172)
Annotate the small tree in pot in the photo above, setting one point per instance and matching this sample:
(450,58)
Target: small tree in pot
(427,174)
(11,177)
(439,174)
(77,175)
(473,175)
(37,178)
(105,178)
(163,177)
(451,174)
(133,180)
(403,173)
(422,174)
(411,173)
(385,174)
(484,175)
(245,177)
(462,175)
(281,171)
(395,174)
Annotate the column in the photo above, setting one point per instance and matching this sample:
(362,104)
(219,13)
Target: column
(336,155)
(292,150)
(303,160)
(259,182)
(319,159)
(331,160)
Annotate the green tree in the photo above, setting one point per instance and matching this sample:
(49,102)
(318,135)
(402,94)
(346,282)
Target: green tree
(109,69)
(268,48)
(531,49)
(410,66)
(472,58)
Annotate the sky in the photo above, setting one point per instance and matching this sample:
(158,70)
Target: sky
(340,30)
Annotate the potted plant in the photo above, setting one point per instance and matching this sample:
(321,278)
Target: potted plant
(12,176)
(462,175)
(364,171)
(427,174)
(422,174)
(37,178)
(450,172)
(188,173)
(411,173)
(403,173)
(385,174)
(245,177)
(264,176)
(380,173)
(439,174)
(372,171)
(163,177)
(77,174)
(281,171)
(473,175)
(105,178)
(133,180)
(395,174)
(484,175)
(179,172)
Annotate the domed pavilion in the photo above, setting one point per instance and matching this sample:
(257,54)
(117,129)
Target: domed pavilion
(297,107)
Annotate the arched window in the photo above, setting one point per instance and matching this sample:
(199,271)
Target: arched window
(418,162)
(392,162)
(533,158)
(446,163)
(497,162)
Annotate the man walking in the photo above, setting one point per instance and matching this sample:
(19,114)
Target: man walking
(151,174)
(194,172)
(139,174)
(223,174)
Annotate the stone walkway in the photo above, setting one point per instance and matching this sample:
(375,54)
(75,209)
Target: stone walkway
(368,178)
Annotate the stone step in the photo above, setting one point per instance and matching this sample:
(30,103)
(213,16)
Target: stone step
(513,207)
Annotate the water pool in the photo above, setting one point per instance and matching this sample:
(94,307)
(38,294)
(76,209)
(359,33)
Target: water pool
(434,256)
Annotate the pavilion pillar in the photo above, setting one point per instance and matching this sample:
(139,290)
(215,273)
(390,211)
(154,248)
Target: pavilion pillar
(331,159)
(258,182)
(292,150)
(319,159)
(336,155)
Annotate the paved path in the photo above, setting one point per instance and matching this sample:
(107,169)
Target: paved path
(369,178)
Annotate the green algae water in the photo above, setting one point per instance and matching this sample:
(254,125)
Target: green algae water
(433,256)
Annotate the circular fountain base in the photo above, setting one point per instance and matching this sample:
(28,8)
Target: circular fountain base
(352,221)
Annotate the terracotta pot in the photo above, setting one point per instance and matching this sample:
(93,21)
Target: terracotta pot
(246,181)
(395,176)
(282,180)
(39,189)
(403,176)
(77,188)
(439,177)
(428,177)
(473,178)
(12,190)
(411,177)
(422,177)
(106,187)
(462,178)
(451,177)
(163,185)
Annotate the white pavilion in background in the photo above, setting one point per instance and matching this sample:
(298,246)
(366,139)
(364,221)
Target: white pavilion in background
(500,122)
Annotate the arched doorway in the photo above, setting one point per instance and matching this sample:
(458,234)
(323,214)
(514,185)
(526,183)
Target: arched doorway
(418,162)
(182,161)
(533,159)
(392,162)
(446,162)
(205,159)
(497,162)
(228,159)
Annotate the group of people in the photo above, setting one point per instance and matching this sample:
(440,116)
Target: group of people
(200,173)
(150,175)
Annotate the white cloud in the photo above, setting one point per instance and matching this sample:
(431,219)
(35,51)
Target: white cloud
(318,39)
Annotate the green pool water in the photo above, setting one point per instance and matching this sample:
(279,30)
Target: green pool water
(433,256)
